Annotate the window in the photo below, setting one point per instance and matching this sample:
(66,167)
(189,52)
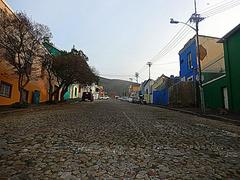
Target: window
(189,60)
(5,89)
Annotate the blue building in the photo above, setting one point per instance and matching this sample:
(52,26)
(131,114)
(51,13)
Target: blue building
(211,55)
(160,89)
(188,61)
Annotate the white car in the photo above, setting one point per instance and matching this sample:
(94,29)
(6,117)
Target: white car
(130,99)
(104,97)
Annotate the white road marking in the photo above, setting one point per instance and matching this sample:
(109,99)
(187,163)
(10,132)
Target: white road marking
(136,127)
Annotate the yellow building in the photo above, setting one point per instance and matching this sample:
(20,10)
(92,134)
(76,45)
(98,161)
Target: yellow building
(134,89)
(9,93)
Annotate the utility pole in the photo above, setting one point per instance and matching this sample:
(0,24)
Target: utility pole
(196,18)
(149,65)
(137,76)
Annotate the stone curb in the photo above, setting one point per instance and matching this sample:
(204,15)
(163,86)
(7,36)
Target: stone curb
(213,117)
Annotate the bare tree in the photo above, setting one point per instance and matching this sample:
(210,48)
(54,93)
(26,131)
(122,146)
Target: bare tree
(47,64)
(20,39)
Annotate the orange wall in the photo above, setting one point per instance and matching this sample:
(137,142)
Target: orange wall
(7,75)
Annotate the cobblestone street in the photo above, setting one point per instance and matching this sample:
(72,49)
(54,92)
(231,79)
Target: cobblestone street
(116,140)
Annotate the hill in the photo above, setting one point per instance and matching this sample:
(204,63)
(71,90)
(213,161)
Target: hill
(115,86)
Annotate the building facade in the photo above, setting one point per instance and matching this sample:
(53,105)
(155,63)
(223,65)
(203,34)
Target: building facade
(146,90)
(160,89)
(35,91)
(231,93)
(211,58)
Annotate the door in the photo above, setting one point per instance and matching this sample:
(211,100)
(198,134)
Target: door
(225,98)
(24,95)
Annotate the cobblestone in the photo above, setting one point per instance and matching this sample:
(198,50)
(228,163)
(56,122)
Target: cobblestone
(116,140)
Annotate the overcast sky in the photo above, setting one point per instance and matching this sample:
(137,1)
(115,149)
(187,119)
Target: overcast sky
(120,36)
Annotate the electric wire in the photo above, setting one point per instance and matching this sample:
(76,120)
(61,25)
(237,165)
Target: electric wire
(172,43)
(220,9)
(211,11)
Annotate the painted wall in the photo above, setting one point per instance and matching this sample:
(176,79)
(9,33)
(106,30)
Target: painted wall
(232,62)
(7,75)
(212,57)
(185,71)
(148,91)
(213,93)
(73,92)
(161,97)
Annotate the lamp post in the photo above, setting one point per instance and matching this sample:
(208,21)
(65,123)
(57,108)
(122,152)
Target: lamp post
(149,65)
(196,18)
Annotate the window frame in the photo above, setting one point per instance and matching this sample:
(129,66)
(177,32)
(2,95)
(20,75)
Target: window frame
(10,92)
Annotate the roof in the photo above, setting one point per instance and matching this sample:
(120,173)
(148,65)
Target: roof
(146,81)
(233,31)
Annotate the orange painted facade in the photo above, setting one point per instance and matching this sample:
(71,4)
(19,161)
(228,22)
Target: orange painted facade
(9,77)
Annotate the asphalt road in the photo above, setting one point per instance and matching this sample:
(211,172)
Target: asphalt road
(116,140)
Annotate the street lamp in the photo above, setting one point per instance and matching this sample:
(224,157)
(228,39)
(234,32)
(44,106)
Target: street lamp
(196,18)
(149,65)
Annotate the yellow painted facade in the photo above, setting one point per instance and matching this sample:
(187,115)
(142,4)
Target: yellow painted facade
(214,58)
(9,77)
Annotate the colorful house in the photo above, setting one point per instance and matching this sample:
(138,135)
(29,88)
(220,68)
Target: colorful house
(211,56)
(134,90)
(36,90)
(160,89)
(231,43)
(74,89)
(223,92)
(73,92)
(146,90)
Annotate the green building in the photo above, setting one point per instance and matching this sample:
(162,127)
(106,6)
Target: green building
(231,42)
(224,91)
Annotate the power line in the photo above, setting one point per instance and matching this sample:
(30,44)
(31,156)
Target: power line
(178,37)
(214,6)
(221,8)
(181,34)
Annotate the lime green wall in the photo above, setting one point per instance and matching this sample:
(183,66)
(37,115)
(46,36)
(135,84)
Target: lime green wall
(213,93)
(232,62)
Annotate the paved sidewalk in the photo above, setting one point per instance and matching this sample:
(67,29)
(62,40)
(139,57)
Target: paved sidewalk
(231,118)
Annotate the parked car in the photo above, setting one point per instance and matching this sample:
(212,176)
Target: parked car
(87,96)
(106,97)
(124,98)
(136,100)
(130,99)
